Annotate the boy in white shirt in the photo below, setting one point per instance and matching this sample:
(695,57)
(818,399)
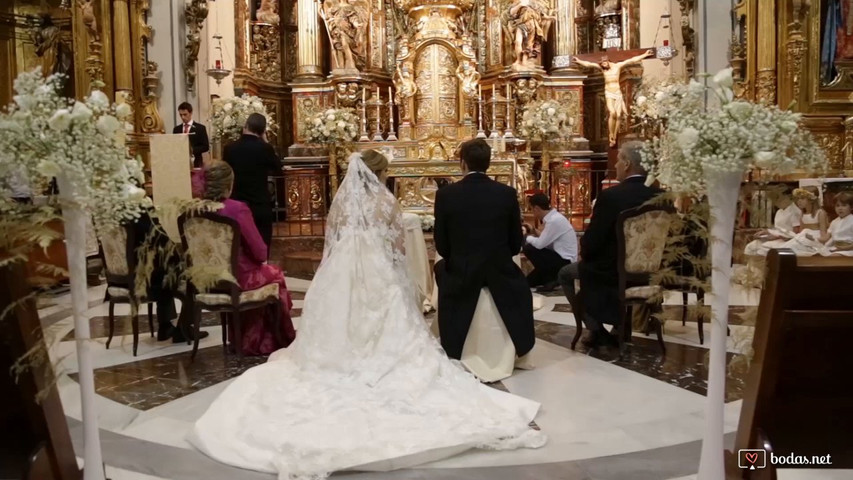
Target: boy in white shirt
(551,249)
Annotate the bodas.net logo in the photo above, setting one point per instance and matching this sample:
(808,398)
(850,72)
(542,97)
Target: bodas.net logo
(751,459)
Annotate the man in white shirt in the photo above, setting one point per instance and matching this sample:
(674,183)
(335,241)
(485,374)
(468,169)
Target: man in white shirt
(551,249)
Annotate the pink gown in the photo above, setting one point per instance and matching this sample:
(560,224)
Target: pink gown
(252,273)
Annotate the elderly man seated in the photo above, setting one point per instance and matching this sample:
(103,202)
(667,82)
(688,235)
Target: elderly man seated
(597,269)
(550,249)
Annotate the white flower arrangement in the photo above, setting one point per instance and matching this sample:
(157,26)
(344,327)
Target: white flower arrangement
(427,222)
(44,135)
(546,120)
(230,115)
(729,136)
(332,126)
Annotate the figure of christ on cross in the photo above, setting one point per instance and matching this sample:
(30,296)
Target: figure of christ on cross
(611,64)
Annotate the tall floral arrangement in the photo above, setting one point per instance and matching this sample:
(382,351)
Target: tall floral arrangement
(546,120)
(230,115)
(337,128)
(82,145)
(706,149)
(332,126)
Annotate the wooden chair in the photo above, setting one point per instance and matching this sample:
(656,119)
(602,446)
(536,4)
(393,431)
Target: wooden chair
(118,245)
(213,241)
(698,248)
(799,398)
(642,231)
(641,234)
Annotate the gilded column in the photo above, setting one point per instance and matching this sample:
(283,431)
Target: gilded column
(121,52)
(564,34)
(310,57)
(765,82)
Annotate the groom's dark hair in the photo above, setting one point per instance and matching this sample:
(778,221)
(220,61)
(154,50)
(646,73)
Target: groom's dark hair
(477,154)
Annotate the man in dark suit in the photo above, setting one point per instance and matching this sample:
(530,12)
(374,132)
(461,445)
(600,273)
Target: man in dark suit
(253,161)
(597,268)
(198,134)
(477,233)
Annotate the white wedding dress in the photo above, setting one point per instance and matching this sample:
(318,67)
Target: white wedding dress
(365,385)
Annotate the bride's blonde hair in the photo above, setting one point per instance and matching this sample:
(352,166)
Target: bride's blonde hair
(375,161)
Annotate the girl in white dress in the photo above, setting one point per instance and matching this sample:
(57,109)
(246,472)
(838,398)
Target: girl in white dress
(786,224)
(815,220)
(838,238)
(364,386)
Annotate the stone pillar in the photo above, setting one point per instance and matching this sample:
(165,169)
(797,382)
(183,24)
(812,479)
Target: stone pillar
(564,35)
(122,61)
(310,58)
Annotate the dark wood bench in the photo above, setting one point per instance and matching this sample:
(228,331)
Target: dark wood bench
(799,393)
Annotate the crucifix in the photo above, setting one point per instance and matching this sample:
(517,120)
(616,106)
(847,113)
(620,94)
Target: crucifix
(610,62)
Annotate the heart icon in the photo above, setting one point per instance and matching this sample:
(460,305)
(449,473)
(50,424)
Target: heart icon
(751,457)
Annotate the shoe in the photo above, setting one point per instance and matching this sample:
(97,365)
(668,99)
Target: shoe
(180,337)
(524,363)
(165,332)
(548,287)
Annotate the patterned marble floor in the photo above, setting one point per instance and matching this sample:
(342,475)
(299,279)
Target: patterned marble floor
(639,417)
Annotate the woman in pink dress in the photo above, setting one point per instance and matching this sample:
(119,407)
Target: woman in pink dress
(252,269)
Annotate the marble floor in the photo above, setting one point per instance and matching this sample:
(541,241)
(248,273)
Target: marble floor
(640,417)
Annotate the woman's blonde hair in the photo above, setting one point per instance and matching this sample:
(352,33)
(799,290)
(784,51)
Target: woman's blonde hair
(218,180)
(376,161)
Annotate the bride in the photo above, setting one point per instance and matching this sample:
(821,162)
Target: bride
(364,385)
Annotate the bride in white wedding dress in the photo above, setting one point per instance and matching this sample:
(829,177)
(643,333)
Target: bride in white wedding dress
(364,385)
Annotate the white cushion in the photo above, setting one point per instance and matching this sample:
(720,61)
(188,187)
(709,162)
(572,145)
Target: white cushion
(248,296)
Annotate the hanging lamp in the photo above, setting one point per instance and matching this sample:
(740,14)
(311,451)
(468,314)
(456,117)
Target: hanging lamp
(665,51)
(218,72)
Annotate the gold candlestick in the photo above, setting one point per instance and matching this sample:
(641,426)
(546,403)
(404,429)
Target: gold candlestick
(392,135)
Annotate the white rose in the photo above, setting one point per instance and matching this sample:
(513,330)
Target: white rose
(330,117)
(81,112)
(229,121)
(123,111)
(108,125)
(687,138)
(724,78)
(789,127)
(764,160)
(695,87)
(330,112)
(641,100)
(60,121)
(132,192)
(48,168)
(25,102)
(227,107)
(342,125)
(552,111)
(739,110)
(659,96)
(318,122)
(258,106)
(98,99)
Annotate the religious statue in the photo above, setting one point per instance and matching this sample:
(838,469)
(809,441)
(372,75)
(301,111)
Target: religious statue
(346,22)
(616,107)
(525,90)
(528,25)
(87,13)
(346,94)
(268,12)
(607,6)
(468,77)
(436,25)
(404,81)
(55,54)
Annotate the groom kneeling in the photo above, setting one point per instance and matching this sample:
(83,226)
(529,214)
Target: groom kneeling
(477,233)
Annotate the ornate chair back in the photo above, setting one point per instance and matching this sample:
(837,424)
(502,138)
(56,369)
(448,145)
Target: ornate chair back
(641,235)
(212,244)
(119,244)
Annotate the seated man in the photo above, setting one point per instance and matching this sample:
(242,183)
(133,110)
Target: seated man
(551,249)
(597,268)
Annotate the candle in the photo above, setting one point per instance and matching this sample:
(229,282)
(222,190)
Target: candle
(363,97)
(480,91)
(390,97)
(219,64)
(377,94)
(507,91)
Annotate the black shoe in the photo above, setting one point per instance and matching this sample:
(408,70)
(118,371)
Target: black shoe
(165,332)
(180,337)
(548,287)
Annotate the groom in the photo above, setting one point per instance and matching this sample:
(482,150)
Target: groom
(477,233)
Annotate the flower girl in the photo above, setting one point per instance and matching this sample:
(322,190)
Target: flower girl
(838,238)
(814,221)
(786,224)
